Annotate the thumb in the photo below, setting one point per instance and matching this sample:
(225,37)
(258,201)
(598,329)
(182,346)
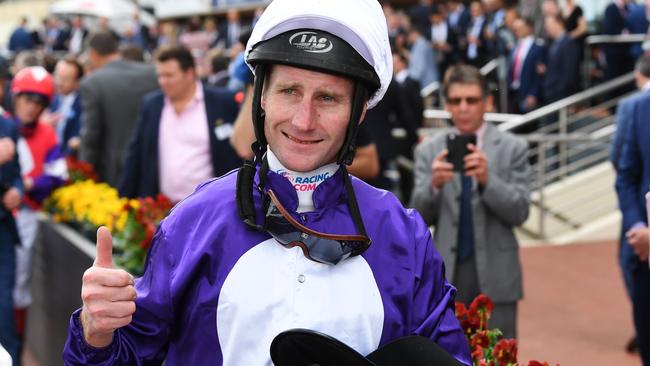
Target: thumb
(104,256)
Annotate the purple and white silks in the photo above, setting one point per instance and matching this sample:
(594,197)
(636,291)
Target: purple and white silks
(216,292)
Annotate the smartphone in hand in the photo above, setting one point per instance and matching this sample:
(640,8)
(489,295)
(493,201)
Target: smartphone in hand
(457,148)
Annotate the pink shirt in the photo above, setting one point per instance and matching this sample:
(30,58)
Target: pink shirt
(184,148)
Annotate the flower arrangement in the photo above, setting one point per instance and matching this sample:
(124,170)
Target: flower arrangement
(133,240)
(488,347)
(86,204)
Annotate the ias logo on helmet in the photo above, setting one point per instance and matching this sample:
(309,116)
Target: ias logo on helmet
(311,42)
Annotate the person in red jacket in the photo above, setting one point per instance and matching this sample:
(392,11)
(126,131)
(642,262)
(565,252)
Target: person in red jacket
(42,168)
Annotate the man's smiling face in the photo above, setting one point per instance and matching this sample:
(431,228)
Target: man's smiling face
(307,113)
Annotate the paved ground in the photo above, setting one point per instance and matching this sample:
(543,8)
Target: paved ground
(575,310)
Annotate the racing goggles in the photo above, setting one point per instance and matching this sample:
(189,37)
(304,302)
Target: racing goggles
(319,247)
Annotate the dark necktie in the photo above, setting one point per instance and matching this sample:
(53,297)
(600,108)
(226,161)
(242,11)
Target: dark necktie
(466,221)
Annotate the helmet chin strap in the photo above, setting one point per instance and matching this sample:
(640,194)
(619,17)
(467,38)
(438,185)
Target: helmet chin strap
(346,154)
(259,146)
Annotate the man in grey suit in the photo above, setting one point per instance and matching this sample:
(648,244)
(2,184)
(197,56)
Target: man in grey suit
(474,209)
(111,98)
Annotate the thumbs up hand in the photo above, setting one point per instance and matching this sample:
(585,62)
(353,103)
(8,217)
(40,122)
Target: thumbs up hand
(108,295)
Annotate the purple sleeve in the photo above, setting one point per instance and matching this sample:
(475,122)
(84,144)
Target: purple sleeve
(433,306)
(53,176)
(146,339)
(43,186)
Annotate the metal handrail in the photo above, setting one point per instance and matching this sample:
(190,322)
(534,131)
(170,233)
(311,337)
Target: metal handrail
(430,89)
(431,113)
(615,38)
(597,39)
(490,66)
(554,107)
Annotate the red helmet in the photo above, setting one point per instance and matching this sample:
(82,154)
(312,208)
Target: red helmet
(35,80)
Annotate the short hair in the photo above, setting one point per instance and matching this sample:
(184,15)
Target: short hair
(642,65)
(27,58)
(132,52)
(181,54)
(401,55)
(72,61)
(528,21)
(466,75)
(219,63)
(103,42)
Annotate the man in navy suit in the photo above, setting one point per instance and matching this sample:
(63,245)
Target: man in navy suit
(67,76)
(182,135)
(632,183)
(524,80)
(561,62)
(624,110)
(21,38)
(11,187)
(615,22)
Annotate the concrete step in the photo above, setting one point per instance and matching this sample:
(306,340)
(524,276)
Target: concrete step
(582,207)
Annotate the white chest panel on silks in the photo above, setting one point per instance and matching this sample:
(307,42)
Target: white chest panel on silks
(272,289)
(25,159)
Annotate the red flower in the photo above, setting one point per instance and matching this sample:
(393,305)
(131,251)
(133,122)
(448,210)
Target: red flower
(482,302)
(483,306)
(480,339)
(80,170)
(470,324)
(505,352)
(477,354)
(461,310)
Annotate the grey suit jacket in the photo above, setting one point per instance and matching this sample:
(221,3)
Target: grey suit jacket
(111,98)
(502,205)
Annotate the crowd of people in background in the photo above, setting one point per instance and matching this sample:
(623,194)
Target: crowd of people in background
(118,97)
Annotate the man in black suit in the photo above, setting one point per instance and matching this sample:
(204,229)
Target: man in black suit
(230,30)
(458,18)
(77,36)
(411,99)
(110,99)
(443,39)
(182,135)
(476,51)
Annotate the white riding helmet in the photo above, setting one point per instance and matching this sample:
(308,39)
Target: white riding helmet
(343,37)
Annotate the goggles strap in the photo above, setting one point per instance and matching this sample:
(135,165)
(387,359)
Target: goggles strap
(244,192)
(352,202)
